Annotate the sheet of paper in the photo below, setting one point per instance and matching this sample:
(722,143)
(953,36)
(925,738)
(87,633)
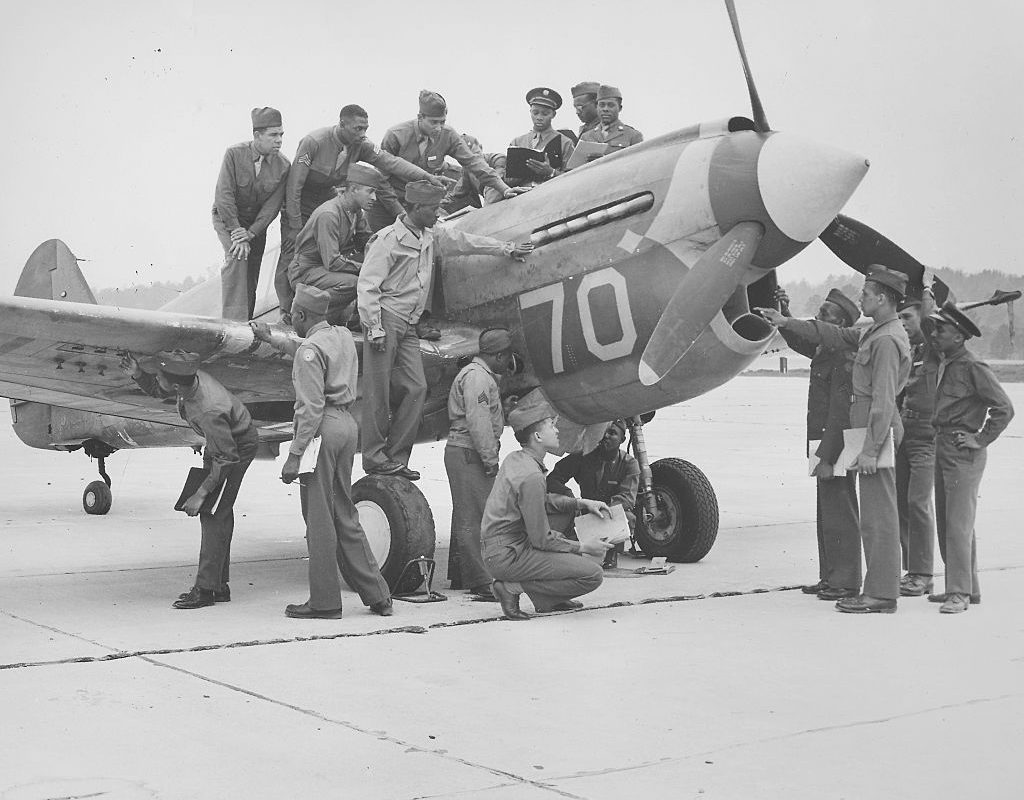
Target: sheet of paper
(585,152)
(812,459)
(853,443)
(591,527)
(307,463)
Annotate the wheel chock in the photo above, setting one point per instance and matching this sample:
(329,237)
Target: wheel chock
(426,568)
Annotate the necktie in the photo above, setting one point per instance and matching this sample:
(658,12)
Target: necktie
(536,141)
(424,143)
(342,160)
(258,165)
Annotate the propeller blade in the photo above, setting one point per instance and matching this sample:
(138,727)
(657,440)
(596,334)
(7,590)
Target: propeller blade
(998,298)
(860,246)
(760,120)
(699,297)
(941,291)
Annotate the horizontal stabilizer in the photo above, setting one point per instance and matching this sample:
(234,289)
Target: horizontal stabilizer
(52,273)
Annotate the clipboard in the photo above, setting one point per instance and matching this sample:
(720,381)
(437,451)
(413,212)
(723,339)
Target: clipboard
(853,443)
(585,152)
(194,479)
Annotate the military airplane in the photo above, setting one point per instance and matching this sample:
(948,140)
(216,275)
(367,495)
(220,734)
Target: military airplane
(637,296)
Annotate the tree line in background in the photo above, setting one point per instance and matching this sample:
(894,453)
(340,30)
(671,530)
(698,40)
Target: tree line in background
(150,296)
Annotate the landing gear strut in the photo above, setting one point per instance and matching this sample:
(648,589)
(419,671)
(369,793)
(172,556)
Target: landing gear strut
(676,509)
(97,497)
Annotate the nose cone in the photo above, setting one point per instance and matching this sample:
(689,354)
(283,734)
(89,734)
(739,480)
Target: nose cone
(804,184)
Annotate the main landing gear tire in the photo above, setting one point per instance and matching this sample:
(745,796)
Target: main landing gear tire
(398,524)
(96,498)
(686,525)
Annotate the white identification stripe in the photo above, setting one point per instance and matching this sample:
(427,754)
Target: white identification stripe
(687,206)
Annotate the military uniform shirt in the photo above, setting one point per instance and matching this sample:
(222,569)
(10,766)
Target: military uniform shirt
(474,408)
(324,373)
(589,126)
(919,396)
(543,141)
(617,136)
(613,482)
(245,199)
(331,229)
(969,398)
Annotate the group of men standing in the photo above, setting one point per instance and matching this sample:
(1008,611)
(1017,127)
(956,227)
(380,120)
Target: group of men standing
(923,401)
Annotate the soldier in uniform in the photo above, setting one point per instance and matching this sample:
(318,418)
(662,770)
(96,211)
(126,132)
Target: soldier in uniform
(584,101)
(971,410)
(329,248)
(828,415)
(471,456)
(611,130)
(231,443)
(249,195)
(556,146)
(321,164)
(324,373)
(522,546)
(607,473)
(425,141)
(394,289)
(880,372)
(469,191)
(915,458)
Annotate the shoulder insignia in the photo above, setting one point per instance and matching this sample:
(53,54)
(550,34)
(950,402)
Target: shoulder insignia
(305,159)
(308,354)
(482,399)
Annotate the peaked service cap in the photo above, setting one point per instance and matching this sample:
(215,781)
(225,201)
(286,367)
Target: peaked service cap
(542,96)
(178,362)
(951,315)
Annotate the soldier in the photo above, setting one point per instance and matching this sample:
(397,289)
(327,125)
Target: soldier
(971,410)
(394,289)
(828,415)
(231,443)
(611,130)
(607,473)
(880,372)
(584,101)
(555,146)
(469,191)
(522,546)
(425,141)
(471,456)
(324,374)
(915,458)
(249,195)
(329,248)
(321,163)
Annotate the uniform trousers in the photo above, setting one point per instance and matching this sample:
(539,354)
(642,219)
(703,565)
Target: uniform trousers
(284,289)
(839,532)
(218,526)
(470,487)
(915,480)
(340,285)
(335,539)
(394,391)
(880,534)
(239,276)
(957,478)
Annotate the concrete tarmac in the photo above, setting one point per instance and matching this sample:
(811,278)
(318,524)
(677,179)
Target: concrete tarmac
(716,681)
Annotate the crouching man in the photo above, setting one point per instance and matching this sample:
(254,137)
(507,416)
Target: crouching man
(522,546)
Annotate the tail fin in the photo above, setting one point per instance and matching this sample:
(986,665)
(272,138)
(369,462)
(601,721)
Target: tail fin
(52,273)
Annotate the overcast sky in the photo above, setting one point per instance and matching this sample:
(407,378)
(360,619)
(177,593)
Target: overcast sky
(117,114)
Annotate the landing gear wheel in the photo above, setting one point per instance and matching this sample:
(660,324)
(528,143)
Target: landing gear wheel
(398,524)
(96,498)
(686,525)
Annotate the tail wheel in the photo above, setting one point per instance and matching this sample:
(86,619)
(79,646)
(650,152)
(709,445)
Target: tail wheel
(396,519)
(686,525)
(96,498)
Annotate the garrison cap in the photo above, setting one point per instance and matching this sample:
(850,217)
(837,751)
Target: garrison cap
(846,305)
(897,281)
(313,300)
(585,88)
(364,175)
(265,117)
(608,92)
(532,407)
(178,362)
(432,104)
(951,315)
(495,340)
(423,193)
(542,96)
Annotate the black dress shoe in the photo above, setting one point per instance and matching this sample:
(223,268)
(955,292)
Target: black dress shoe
(482,593)
(195,598)
(383,607)
(815,588)
(862,604)
(221,595)
(303,611)
(408,474)
(509,602)
(941,598)
(565,605)
(387,468)
(611,559)
(828,593)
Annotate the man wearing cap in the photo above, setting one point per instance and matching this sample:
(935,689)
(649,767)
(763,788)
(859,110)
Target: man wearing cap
(828,415)
(880,371)
(425,141)
(395,287)
(329,248)
(607,473)
(971,411)
(231,443)
(321,164)
(557,148)
(611,130)
(324,373)
(522,546)
(915,457)
(249,195)
(471,456)
(584,101)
